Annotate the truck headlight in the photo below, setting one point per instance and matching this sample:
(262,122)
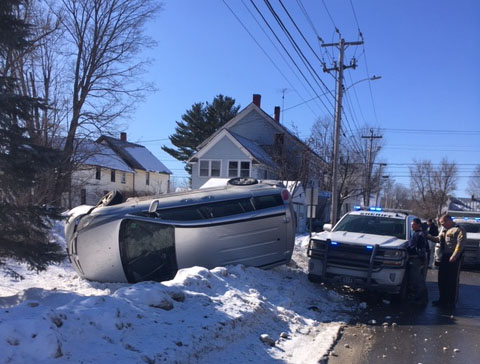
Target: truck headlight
(393,253)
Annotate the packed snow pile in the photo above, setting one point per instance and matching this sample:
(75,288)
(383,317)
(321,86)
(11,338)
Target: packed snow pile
(225,315)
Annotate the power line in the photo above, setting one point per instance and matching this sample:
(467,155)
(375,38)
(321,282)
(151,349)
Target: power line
(279,52)
(302,56)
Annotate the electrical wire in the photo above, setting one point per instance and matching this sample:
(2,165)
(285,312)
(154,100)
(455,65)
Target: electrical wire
(282,56)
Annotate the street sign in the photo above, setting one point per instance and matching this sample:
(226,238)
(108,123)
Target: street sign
(311,212)
(312,195)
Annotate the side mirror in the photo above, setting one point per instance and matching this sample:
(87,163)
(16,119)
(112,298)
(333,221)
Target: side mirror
(327,227)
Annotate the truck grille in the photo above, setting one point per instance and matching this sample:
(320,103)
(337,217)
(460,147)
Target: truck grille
(349,255)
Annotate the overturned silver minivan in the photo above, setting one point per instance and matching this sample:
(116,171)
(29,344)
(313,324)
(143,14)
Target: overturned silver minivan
(245,222)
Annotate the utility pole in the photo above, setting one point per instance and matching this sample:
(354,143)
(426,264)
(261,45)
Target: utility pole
(342,45)
(366,200)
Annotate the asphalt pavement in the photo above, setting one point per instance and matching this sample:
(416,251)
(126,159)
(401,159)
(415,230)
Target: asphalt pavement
(397,334)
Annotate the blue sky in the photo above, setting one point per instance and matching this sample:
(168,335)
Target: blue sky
(427,101)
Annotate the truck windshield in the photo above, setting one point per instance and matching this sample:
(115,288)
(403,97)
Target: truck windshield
(471,228)
(371,224)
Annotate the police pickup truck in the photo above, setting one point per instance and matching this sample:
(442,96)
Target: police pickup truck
(366,248)
(470,221)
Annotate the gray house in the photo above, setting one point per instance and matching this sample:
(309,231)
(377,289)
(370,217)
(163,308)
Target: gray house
(253,144)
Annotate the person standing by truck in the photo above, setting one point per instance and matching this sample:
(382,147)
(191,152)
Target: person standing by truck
(417,260)
(452,239)
(433,231)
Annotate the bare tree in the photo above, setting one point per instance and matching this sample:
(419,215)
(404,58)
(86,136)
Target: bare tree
(430,186)
(474,183)
(105,37)
(354,161)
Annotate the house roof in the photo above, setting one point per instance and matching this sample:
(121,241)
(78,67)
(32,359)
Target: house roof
(247,146)
(136,156)
(267,118)
(102,155)
(255,150)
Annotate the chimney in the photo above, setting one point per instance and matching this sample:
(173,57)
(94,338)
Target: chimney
(256,99)
(123,136)
(277,114)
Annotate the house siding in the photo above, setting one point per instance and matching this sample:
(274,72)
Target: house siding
(224,150)
(159,182)
(84,178)
(254,127)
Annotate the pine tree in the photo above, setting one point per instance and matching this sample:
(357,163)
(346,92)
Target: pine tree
(198,123)
(23,224)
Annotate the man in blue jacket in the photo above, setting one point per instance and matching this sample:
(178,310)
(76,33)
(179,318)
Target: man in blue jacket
(416,266)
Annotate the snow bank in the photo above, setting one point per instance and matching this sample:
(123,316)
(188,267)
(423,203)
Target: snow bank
(227,315)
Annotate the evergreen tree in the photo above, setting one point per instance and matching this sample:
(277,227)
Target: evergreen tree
(23,224)
(198,123)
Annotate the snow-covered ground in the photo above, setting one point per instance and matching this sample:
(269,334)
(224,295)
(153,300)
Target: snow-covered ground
(225,315)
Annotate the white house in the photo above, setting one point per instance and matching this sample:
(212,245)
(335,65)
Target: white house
(253,144)
(115,164)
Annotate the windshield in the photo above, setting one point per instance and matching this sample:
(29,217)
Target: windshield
(370,224)
(471,228)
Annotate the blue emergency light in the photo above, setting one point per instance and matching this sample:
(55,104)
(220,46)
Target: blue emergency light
(333,243)
(369,247)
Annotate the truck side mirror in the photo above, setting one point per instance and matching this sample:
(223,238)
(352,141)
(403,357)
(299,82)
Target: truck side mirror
(327,227)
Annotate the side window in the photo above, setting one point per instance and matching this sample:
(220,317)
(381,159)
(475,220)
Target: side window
(267,201)
(98,173)
(228,208)
(147,179)
(147,251)
(186,213)
(112,175)
(124,177)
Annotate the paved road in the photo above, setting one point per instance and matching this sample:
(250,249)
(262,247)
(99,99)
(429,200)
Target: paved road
(429,335)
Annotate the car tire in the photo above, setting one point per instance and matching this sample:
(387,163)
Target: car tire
(242,181)
(111,198)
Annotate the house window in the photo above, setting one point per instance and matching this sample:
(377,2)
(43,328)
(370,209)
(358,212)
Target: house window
(147,179)
(233,169)
(238,169)
(244,169)
(98,173)
(215,171)
(204,166)
(112,175)
(124,178)
(83,196)
(210,168)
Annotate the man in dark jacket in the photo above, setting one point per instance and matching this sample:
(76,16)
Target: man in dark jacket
(417,259)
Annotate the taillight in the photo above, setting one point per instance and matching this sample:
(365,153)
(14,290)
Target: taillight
(285,195)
